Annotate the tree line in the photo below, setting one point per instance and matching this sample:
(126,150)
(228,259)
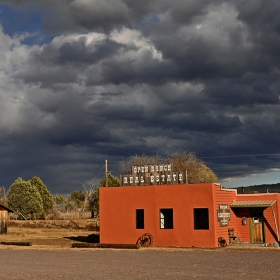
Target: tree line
(32,200)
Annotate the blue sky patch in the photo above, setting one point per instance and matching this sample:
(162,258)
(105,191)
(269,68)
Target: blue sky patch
(15,21)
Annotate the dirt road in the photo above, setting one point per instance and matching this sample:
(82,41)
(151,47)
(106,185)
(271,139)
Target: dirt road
(74,264)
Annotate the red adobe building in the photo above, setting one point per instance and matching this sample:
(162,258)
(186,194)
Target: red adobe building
(186,215)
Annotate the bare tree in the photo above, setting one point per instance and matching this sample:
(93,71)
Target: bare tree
(3,195)
(197,171)
(125,167)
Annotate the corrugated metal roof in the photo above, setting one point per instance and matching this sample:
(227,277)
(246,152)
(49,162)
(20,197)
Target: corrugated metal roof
(252,203)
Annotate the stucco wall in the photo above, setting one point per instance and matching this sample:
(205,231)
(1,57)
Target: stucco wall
(118,206)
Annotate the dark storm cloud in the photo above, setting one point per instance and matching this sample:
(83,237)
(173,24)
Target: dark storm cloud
(79,15)
(126,77)
(246,91)
(208,122)
(53,64)
(78,52)
(147,72)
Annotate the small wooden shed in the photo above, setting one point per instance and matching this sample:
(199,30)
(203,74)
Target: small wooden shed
(4,210)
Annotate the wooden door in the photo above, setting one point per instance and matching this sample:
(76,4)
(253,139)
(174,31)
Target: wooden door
(258,232)
(257,227)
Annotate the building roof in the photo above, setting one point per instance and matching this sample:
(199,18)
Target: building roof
(252,203)
(5,208)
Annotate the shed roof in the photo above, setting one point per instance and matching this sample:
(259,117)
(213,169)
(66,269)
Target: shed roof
(5,208)
(252,203)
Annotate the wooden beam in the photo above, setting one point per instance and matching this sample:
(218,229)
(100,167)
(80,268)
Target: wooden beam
(15,243)
(103,245)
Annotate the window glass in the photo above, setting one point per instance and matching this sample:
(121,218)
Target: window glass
(139,218)
(166,218)
(201,218)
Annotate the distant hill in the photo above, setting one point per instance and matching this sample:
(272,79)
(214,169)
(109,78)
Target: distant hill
(271,188)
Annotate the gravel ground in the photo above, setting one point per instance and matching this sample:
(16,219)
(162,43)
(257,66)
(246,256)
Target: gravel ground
(73,264)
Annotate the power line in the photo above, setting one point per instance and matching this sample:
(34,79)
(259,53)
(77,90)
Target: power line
(90,183)
(256,155)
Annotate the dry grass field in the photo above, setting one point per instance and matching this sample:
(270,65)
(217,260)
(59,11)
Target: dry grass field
(61,234)
(51,234)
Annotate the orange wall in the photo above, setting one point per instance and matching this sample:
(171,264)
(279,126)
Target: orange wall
(271,233)
(118,206)
(225,196)
(243,231)
(118,214)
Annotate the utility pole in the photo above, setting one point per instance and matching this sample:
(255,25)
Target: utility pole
(106,173)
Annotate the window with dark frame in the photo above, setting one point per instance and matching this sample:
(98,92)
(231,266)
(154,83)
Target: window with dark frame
(201,218)
(139,218)
(166,218)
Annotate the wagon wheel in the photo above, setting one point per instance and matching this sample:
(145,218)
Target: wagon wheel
(145,240)
(222,242)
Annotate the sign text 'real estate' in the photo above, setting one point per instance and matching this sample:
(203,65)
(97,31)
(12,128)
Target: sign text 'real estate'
(153,174)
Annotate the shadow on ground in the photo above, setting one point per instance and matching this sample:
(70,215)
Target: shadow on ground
(92,238)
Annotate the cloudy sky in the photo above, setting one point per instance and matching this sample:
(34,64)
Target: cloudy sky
(82,81)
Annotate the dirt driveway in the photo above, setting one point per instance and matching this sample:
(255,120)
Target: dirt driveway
(51,257)
(73,264)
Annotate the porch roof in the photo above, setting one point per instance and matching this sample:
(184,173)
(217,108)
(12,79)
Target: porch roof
(252,203)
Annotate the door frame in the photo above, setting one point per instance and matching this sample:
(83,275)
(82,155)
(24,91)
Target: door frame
(252,224)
